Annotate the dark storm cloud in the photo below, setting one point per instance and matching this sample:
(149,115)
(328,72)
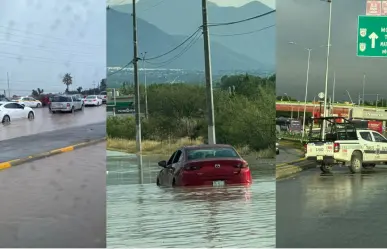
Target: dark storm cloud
(306,22)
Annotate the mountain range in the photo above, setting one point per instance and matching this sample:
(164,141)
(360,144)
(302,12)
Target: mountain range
(162,28)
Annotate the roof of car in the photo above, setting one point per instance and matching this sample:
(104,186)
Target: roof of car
(207,146)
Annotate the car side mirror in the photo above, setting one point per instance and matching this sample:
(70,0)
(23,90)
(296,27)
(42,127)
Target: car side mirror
(162,164)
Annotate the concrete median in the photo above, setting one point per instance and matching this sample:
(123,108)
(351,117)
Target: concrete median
(15,162)
(284,170)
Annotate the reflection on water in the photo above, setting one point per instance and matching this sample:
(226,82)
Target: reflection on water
(340,190)
(144,215)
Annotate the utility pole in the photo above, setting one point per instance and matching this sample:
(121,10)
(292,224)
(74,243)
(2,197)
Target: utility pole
(146,93)
(208,73)
(9,90)
(364,78)
(137,91)
(377,100)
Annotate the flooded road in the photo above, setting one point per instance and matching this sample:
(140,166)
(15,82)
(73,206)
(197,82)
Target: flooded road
(57,202)
(340,210)
(144,215)
(288,154)
(45,121)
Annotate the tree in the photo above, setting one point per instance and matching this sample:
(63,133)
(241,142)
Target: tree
(37,92)
(102,85)
(79,89)
(67,80)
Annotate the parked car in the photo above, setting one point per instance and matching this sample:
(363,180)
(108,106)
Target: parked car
(13,111)
(215,165)
(93,100)
(28,101)
(103,95)
(65,103)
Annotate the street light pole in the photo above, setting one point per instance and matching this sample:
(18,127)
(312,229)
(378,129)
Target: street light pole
(327,68)
(306,92)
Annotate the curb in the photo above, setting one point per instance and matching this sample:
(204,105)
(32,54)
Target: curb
(284,170)
(15,162)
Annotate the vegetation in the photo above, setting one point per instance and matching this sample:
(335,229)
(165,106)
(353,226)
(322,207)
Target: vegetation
(67,80)
(244,113)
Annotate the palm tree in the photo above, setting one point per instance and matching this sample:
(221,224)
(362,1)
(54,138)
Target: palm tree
(67,80)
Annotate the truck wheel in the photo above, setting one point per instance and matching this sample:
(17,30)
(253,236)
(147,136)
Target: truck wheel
(356,162)
(326,168)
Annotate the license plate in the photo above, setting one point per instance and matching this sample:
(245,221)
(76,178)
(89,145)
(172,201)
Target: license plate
(319,158)
(218,183)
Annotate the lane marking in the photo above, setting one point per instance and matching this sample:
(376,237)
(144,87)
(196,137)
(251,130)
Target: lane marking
(5,165)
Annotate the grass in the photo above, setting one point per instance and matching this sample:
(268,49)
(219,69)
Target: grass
(150,147)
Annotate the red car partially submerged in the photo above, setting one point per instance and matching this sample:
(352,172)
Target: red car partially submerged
(215,165)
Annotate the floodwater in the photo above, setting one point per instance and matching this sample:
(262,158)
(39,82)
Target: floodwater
(141,214)
(45,121)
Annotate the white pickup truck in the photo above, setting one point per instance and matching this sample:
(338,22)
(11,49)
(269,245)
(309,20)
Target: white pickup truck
(355,148)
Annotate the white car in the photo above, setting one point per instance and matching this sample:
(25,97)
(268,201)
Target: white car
(29,101)
(93,100)
(13,111)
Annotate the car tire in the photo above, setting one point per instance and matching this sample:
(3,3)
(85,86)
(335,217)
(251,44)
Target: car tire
(326,168)
(6,119)
(277,152)
(38,105)
(174,182)
(356,162)
(158,182)
(72,109)
(31,116)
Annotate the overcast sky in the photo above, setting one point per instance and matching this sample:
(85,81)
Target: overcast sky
(236,3)
(41,40)
(306,22)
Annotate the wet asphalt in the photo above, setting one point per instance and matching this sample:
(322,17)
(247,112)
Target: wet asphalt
(340,210)
(25,146)
(45,121)
(287,154)
(59,201)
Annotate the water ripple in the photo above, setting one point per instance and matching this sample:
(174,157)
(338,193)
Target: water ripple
(144,215)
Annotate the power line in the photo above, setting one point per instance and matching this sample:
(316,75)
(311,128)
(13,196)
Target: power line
(240,21)
(188,47)
(245,33)
(36,47)
(122,68)
(178,46)
(151,7)
(45,36)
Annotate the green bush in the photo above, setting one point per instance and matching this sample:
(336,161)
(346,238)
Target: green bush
(243,117)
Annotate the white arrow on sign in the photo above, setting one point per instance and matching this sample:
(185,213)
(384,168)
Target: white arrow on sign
(373,37)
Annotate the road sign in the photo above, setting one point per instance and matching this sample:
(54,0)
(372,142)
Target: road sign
(374,8)
(372,36)
(321,95)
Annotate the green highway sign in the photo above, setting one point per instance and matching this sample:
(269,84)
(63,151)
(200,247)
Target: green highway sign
(372,36)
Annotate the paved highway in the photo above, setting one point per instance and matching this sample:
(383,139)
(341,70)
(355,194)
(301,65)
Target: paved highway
(288,154)
(338,210)
(45,121)
(58,201)
(42,142)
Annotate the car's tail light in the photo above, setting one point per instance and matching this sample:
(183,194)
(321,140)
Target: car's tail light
(191,167)
(305,148)
(68,104)
(242,165)
(336,147)
(104,97)
(94,100)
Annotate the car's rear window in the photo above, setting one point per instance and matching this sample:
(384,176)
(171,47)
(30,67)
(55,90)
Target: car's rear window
(60,99)
(91,97)
(201,153)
